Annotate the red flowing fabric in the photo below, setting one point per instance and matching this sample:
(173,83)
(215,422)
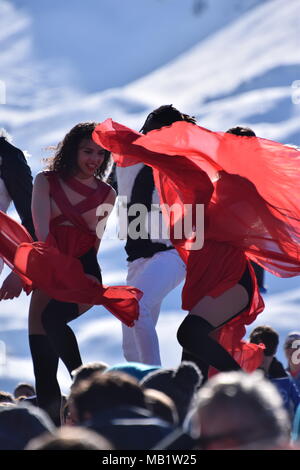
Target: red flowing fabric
(249,188)
(53,267)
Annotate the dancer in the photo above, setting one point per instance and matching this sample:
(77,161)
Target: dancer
(244,219)
(63,265)
(16,187)
(259,271)
(154,265)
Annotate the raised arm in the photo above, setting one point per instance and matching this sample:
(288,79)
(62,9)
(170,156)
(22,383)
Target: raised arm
(41,209)
(129,147)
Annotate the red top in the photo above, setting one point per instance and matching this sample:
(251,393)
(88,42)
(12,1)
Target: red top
(249,188)
(53,267)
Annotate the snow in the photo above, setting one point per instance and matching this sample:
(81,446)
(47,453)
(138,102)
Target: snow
(228,63)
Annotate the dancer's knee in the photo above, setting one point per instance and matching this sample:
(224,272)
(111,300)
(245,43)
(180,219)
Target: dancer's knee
(193,328)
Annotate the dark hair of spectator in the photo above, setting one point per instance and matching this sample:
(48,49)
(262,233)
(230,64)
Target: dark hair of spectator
(70,438)
(267,336)
(161,406)
(24,389)
(85,371)
(104,391)
(6,397)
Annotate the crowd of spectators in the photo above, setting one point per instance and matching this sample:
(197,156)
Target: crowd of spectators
(133,406)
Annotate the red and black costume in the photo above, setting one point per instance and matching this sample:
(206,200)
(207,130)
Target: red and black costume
(249,188)
(59,267)
(54,266)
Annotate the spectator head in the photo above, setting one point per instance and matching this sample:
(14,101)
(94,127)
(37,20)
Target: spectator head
(20,424)
(85,371)
(6,397)
(292,350)
(104,391)
(164,116)
(240,411)
(24,390)
(267,336)
(70,438)
(242,131)
(179,384)
(114,405)
(161,406)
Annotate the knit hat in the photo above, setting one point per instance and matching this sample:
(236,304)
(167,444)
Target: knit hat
(135,369)
(179,384)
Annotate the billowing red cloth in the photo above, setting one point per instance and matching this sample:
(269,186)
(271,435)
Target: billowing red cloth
(53,267)
(249,188)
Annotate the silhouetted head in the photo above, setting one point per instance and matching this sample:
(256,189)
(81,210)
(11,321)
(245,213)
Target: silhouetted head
(242,131)
(267,336)
(164,116)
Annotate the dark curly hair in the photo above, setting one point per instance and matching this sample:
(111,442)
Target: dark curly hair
(242,131)
(164,116)
(64,161)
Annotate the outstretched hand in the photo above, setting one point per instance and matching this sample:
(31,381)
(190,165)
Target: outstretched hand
(11,287)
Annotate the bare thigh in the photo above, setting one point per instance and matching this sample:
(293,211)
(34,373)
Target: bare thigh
(38,303)
(218,310)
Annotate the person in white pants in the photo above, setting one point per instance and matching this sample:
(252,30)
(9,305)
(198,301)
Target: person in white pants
(154,266)
(156,277)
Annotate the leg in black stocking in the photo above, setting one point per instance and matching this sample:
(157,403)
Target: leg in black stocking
(45,364)
(193,335)
(54,319)
(203,366)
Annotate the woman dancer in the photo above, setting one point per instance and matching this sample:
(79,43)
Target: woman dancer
(63,264)
(244,219)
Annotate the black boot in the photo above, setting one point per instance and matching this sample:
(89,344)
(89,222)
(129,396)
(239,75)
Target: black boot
(54,319)
(45,364)
(193,335)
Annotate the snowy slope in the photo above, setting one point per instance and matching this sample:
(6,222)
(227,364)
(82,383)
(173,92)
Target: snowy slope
(231,63)
(109,43)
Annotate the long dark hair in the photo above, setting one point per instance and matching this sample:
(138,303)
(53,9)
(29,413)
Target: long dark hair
(64,161)
(164,116)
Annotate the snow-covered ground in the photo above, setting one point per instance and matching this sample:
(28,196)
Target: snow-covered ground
(227,62)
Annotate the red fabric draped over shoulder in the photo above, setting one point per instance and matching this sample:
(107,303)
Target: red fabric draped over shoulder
(254,184)
(257,190)
(247,186)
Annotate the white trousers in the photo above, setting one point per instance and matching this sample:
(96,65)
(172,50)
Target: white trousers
(156,277)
